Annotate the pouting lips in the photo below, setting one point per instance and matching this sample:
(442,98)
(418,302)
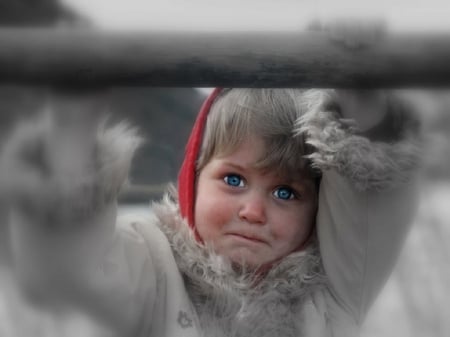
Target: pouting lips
(248,237)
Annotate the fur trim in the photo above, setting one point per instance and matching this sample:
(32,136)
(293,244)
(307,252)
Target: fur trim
(114,149)
(369,164)
(232,302)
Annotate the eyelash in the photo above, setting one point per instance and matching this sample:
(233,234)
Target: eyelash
(241,183)
(292,193)
(234,175)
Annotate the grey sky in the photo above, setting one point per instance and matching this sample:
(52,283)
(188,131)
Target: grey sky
(403,15)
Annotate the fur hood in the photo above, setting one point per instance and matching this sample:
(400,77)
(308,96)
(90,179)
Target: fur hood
(232,302)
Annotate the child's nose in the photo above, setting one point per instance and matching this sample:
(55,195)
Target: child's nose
(253,209)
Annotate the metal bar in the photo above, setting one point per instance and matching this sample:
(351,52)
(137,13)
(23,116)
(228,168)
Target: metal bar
(209,59)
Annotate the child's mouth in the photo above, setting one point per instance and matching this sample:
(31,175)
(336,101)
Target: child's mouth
(248,238)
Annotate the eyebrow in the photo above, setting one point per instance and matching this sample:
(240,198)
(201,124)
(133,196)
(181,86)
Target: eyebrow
(236,166)
(288,181)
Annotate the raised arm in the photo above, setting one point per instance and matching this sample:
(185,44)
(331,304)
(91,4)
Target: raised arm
(61,174)
(367,146)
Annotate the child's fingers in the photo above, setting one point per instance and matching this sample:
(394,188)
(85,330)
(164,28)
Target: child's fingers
(23,161)
(349,123)
(72,140)
(353,33)
(365,107)
(48,165)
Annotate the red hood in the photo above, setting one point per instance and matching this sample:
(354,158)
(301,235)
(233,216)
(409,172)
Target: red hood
(187,174)
(186,177)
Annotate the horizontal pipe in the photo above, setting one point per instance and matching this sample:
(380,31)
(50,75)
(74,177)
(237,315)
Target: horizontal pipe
(87,58)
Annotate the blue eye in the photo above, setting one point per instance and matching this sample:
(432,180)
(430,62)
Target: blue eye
(284,193)
(234,180)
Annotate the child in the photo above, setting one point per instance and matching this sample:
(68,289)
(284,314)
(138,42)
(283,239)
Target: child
(288,219)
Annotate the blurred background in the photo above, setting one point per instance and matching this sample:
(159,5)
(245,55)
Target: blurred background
(413,303)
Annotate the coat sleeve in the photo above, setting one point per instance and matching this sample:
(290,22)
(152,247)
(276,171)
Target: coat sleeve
(360,235)
(109,275)
(67,250)
(367,200)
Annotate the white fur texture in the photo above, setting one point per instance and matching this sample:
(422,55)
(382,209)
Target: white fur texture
(232,302)
(116,148)
(369,164)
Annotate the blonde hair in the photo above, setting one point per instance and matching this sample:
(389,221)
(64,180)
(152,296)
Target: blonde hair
(270,114)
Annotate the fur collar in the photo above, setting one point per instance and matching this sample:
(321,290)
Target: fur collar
(232,303)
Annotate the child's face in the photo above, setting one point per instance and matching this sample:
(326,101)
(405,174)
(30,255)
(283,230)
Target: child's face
(253,217)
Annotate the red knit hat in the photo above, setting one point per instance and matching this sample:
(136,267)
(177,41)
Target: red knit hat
(186,177)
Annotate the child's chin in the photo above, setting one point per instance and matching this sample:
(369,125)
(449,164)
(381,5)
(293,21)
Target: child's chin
(248,261)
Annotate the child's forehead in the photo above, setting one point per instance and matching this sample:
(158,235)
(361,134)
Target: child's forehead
(270,114)
(295,176)
(251,154)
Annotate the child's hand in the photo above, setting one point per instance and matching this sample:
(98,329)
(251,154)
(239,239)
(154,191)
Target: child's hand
(352,33)
(47,166)
(362,109)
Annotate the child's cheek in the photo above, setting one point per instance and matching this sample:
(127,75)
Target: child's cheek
(212,213)
(293,228)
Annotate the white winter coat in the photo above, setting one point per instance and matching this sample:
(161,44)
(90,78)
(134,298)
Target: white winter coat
(148,276)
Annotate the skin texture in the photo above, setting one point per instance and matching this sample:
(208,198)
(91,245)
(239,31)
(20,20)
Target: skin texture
(251,216)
